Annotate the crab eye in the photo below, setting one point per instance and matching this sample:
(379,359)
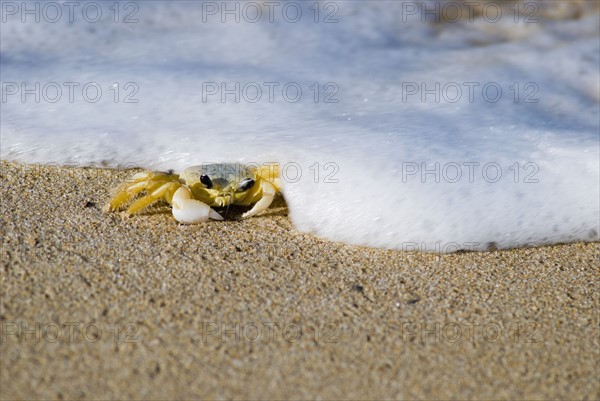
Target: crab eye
(246,184)
(205,180)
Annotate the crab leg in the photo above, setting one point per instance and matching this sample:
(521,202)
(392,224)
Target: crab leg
(190,211)
(270,172)
(124,194)
(139,182)
(156,192)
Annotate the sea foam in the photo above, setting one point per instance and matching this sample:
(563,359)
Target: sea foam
(407,134)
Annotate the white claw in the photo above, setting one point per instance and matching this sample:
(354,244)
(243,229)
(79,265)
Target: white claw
(191,211)
(268,193)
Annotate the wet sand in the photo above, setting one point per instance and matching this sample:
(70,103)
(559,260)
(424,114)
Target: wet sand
(98,307)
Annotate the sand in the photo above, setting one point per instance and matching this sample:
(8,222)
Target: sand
(98,307)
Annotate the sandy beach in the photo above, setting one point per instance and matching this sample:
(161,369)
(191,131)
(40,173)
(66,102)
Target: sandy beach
(94,306)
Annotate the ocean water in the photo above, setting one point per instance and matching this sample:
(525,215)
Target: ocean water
(393,129)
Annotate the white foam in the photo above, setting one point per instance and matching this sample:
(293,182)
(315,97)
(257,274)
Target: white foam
(372,136)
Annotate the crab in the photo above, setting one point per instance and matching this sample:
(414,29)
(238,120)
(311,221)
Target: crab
(199,188)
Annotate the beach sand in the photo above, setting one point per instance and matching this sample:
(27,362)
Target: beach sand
(98,307)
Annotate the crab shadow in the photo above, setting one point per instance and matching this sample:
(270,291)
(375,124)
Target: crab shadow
(278,208)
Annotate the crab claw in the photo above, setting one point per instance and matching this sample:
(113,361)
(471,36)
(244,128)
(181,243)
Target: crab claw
(268,193)
(191,211)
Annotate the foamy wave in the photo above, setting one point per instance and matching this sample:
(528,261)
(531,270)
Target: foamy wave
(400,130)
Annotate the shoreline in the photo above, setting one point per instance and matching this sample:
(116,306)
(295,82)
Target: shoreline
(173,311)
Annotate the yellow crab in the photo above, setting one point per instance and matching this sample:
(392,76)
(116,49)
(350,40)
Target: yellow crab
(192,193)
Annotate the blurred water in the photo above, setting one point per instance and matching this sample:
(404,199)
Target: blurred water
(392,131)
